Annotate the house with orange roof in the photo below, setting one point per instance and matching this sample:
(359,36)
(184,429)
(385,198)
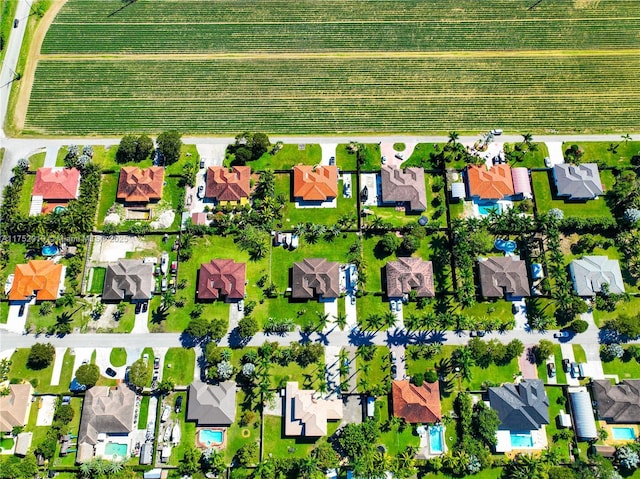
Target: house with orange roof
(315,183)
(489,184)
(40,278)
(416,404)
(54,187)
(228,186)
(140,185)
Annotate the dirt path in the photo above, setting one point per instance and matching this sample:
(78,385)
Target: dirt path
(24,93)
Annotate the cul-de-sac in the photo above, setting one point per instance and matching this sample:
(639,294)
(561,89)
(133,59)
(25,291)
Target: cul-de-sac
(349,239)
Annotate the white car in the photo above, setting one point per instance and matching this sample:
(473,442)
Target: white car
(384,160)
(496,132)
(561,334)
(547,162)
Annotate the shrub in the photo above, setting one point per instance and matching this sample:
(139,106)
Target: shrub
(431,376)
(579,326)
(418,379)
(609,352)
(41,355)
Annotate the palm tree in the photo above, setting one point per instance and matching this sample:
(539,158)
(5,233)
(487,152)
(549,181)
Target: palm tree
(115,467)
(323,319)
(626,137)
(463,361)
(308,467)
(389,319)
(375,321)
(527,137)
(341,320)
(453,137)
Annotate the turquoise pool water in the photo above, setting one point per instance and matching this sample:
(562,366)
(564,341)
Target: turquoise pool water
(435,439)
(507,246)
(211,436)
(115,449)
(49,250)
(521,439)
(624,433)
(487,207)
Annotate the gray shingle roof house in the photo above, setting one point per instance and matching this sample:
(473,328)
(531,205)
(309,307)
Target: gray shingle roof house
(108,411)
(408,274)
(620,403)
(212,405)
(520,407)
(128,279)
(404,185)
(589,273)
(315,277)
(503,274)
(578,182)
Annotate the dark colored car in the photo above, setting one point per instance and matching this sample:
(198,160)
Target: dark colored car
(566,365)
(144,307)
(552,369)
(138,308)
(575,370)
(110,372)
(21,310)
(15,23)
(156,363)
(179,404)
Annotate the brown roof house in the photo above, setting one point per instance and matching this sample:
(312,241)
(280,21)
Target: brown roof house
(315,277)
(617,404)
(128,279)
(212,405)
(306,414)
(221,279)
(500,275)
(14,407)
(228,186)
(315,183)
(105,411)
(416,403)
(409,274)
(41,278)
(405,186)
(493,184)
(140,185)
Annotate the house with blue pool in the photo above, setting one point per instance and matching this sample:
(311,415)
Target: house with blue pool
(618,407)
(523,410)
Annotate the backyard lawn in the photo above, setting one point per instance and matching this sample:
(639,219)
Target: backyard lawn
(394,440)
(108,191)
(179,364)
(144,412)
(542,189)
(556,405)
(277,444)
(532,159)
(595,151)
(72,428)
(25,194)
(188,429)
(97,280)
(238,436)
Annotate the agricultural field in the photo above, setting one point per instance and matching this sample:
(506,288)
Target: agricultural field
(336,66)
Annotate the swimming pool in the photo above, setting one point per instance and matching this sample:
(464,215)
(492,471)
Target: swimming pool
(435,439)
(507,246)
(521,440)
(624,433)
(59,209)
(211,437)
(115,450)
(49,250)
(487,207)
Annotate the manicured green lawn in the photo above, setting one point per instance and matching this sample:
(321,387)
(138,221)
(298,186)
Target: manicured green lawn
(601,151)
(6,442)
(25,194)
(108,190)
(327,216)
(17,253)
(39,379)
(39,322)
(97,281)
(348,161)
(579,354)
(276,443)
(144,412)
(532,159)
(456,210)
(307,377)
(421,156)
(188,154)
(545,201)
(492,473)
(375,373)
(370,304)
(300,311)
(238,436)
(188,429)
(498,310)
(37,161)
(624,369)
(179,364)
(288,157)
(554,393)
(630,307)
(118,357)
(394,440)
(4,312)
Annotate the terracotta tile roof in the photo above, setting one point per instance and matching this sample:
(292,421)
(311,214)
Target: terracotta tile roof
(407,274)
(14,407)
(222,278)
(416,403)
(315,183)
(199,218)
(503,274)
(225,185)
(305,414)
(137,185)
(56,183)
(316,277)
(493,184)
(39,277)
(404,185)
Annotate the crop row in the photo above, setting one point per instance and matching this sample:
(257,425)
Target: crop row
(180,11)
(344,37)
(335,95)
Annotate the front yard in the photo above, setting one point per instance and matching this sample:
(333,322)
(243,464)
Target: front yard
(179,364)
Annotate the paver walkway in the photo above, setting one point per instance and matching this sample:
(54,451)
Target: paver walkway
(527,367)
(57,366)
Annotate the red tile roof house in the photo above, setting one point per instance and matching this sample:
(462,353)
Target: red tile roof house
(315,184)
(416,404)
(224,185)
(315,277)
(56,186)
(140,185)
(493,184)
(222,279)
(40,278)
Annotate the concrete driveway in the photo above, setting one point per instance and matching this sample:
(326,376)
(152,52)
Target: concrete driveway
(567,353)
(387,150)
(141,324)
(556,154)
(15,322)
(82,355)
(211,154)
(328,150)
(57,366)
(350,311)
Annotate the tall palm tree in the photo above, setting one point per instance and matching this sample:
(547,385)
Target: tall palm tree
(526,139)
(463,362)
(626,137)
(341,320)
(389,319)
(454,136)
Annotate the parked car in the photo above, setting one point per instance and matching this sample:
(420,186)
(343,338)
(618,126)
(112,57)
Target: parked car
(515,308)
(547,162)
(496,132)
(200,191)
(156,363)
(174,267)
(15,23)
(551,368)
(575,370)
(561,334)
(138,308)
(332,161)
(201,163)
(179,404)
(145,358)
(165,413)
(165,285)
(384,160)
(353,299)
(110,372)
(21,310)
(241,305)
(566,365)
(145,305)
(399,156)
